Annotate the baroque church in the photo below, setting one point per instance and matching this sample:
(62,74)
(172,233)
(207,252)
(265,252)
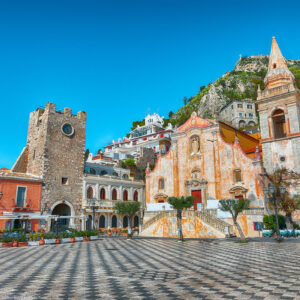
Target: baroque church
(212,161)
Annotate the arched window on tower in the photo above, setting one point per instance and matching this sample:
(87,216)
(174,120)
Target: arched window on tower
(135,196)
(90,193)
(102,194)
(125,195)
(114,194)
(279,125)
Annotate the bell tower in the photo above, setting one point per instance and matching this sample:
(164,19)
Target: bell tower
(279,111)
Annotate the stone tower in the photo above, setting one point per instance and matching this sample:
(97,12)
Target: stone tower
(55,151)
(279,111)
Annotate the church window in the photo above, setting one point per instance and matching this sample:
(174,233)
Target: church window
(279,125)
(125,195)
(237,175)
(161,183)
(274,66)
(90,193)
(114,194)
(102,194)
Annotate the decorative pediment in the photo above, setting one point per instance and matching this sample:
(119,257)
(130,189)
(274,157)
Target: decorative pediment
(193,121)
(238,190)
(160,195)
(196,182)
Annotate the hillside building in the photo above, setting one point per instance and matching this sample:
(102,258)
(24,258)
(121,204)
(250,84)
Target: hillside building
(152,135)
(239,113)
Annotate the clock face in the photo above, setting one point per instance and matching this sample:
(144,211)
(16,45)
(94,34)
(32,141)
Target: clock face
(67,129)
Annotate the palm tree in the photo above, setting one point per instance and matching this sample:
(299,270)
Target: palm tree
(235,206)
(180,203)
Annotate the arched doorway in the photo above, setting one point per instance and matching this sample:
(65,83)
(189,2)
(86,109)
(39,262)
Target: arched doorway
(114,221)
(62,209)
(102,194)
(89,222)
(136,221)
(135,196)
(102,222)
(125,195)
(125,221)
(114,194)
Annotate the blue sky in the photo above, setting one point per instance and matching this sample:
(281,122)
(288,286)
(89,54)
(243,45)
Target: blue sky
(119,60)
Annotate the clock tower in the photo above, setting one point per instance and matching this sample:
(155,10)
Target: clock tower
(55,151)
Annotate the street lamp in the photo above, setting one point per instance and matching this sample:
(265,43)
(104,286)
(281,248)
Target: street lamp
(272,191)
(92,204)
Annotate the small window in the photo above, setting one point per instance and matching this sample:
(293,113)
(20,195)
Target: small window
(21,195)
(237,175)
(64,181)
(249,106)
(161,183)
(115,174)
(274,66)
(125,176)
(250,115)
(103,173)
(282,158)
(240,106)
(241,114)
(232,106)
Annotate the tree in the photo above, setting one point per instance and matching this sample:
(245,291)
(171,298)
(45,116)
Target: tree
(288,203)
(170,114)
(86,154)
(180,203)
(202,88)
(235,206)
(185,100)
(130,162)
(129,209)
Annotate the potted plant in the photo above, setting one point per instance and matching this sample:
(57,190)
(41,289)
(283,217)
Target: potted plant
(86,236)
(94,235)
(6,242)
(57,240)
(49,238)
(42,241)
(125,232)
(109,232)
(79,236)
(72,237)
(22,241)
(65,237)
(34,239)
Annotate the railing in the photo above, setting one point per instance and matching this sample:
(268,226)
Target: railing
(276,90)
(207,218)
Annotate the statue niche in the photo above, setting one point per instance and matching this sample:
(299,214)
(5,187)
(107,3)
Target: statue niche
(194,145)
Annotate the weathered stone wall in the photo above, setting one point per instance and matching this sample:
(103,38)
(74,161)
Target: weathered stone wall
(54,155)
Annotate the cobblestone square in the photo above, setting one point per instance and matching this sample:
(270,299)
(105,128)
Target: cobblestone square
(152,269)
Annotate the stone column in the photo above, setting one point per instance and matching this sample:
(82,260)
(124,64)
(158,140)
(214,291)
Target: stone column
(109,192)
(97,194)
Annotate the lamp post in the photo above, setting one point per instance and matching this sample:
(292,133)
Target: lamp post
(272,191)
(92,204)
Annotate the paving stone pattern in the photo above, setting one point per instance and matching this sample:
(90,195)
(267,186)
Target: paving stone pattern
(151,269)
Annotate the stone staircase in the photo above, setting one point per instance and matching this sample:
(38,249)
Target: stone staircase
(204,216)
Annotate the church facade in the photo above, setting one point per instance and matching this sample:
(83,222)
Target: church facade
(209,161)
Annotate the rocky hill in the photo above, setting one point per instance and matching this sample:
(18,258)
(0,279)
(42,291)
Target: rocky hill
(241,83)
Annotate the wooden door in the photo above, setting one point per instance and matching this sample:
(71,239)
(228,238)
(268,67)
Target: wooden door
(198,198)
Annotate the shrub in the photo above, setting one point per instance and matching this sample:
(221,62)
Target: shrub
(22,238)
(6,239)
(270,222)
